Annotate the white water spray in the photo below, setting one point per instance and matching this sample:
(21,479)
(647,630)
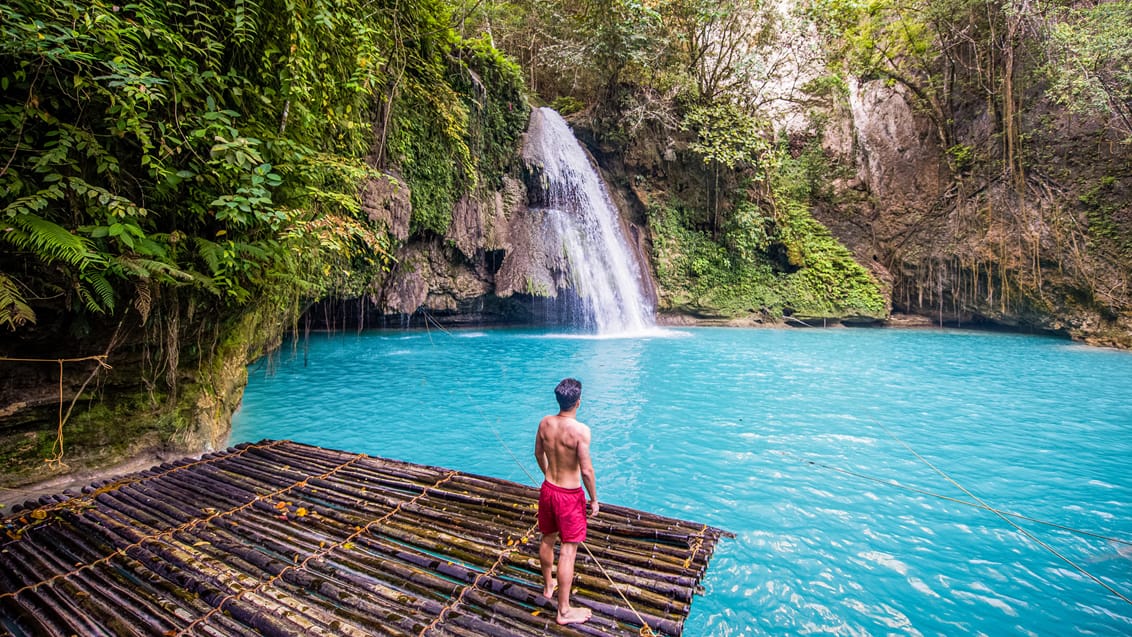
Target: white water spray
(581,217)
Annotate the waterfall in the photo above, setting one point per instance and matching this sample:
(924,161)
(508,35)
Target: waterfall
(582,220)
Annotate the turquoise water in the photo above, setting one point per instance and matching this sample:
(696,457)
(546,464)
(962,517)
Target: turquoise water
(789,439)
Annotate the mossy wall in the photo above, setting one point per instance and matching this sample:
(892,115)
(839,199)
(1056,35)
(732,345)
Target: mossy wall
(133,407)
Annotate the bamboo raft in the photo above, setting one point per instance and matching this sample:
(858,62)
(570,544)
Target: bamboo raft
(282,538)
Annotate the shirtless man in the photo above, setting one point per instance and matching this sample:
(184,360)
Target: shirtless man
(562,448)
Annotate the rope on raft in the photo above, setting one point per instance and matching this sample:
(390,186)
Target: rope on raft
(180,528)
(454,602)
(322,551)
(646,630)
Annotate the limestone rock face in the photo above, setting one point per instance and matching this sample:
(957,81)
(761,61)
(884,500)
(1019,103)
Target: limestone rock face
(967,241)
(494,250)
(529,268)
(896,156)
(484,222)
(386,200)
(430,276)
(408,288)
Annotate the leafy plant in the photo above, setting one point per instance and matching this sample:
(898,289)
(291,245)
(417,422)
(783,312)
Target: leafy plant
(725,135)
(1089,62)
(220,147)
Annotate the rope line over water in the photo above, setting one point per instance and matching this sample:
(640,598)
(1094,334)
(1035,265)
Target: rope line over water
(1006,519)
(898,485)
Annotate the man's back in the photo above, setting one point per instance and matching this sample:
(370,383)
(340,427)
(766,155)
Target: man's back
(562,448)
(565,444)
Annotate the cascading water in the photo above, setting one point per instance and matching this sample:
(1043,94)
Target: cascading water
(582,219)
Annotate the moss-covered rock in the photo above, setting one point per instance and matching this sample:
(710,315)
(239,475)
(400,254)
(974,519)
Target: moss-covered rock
(132,406)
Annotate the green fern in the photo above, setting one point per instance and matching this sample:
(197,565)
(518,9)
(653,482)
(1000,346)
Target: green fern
(252,252)
(14,311)
(205,283)
(211,253)
(148,268)
(49,241)
(97,293)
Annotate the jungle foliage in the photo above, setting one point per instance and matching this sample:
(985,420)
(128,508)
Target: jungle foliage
(701,78)
(713,81)
(218,148)
(771,261)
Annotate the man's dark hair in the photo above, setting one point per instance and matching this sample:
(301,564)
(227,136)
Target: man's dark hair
(568,393)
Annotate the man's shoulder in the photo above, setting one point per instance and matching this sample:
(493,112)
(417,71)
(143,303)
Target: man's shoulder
(576,427)
(583,428)
(563,424)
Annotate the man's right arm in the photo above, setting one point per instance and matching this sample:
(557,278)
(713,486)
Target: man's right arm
(540,451)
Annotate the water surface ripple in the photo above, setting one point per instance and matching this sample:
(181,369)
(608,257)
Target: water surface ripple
(791,440)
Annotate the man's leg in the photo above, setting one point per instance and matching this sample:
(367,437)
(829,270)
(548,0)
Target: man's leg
(546,561)
(566,614)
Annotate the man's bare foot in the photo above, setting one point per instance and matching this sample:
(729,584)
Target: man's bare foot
(548,592)
(574,616)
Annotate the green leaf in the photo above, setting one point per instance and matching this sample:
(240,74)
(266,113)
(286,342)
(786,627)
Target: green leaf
(14,310)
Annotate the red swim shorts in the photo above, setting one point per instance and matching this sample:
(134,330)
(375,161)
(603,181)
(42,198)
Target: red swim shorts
(562,510)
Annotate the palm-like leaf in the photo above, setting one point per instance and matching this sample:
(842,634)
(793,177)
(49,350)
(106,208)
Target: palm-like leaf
(49,241)
(14,311)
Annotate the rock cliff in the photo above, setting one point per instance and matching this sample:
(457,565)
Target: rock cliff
(498,263)
(965,242)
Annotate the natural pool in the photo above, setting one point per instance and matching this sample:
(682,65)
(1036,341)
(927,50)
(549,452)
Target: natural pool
(791,439)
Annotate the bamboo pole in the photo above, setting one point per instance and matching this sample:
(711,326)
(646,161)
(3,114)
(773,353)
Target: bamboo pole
(301,579)
(193,571)
(226,532)
(178,606)
(186,576)
(35,611)
(518,618)
(135,612)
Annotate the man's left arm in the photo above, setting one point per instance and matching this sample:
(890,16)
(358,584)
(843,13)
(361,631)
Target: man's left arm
(589,479)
